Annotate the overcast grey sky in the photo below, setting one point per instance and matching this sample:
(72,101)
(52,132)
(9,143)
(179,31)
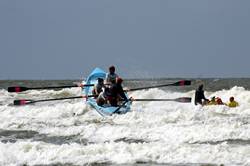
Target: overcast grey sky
(62,39)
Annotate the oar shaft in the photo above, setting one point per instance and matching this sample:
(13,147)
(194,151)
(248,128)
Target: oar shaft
(54,87)
(24,102)
(153,99)
(21,88)
(181,99)
(64,98)
(179,83)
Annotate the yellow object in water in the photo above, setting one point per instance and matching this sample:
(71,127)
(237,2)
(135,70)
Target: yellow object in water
(233,104)
(212,102)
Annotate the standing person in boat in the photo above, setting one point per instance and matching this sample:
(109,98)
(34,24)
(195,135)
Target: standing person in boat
(116,93)
(232,102)
(199,96)
(111,76)
(98,88)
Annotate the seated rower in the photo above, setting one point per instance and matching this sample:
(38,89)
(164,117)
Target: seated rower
(103,97)
(116,93)
(98,88)
(232,102)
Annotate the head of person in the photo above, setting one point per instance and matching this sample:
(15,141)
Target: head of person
(100,80)
(219,101)
(213,98)
(200,87)
(119,80)
(112,69)
(231,99)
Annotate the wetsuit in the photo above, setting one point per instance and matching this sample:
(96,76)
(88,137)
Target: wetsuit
(199,95)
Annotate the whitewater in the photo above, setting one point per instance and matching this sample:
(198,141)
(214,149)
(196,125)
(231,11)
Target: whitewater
(69,132)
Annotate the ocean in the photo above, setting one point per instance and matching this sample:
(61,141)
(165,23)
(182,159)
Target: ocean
(69,132)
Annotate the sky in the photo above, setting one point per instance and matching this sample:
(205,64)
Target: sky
(67,39)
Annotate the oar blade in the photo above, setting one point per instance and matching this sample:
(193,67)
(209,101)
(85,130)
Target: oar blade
(182,83)
(22,102)
(183,99)
(17,89)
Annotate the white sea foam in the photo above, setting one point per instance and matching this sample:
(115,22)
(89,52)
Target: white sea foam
(157,132)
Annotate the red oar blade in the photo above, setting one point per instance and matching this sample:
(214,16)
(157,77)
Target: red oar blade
(182,83)
(22,102)
(17,89)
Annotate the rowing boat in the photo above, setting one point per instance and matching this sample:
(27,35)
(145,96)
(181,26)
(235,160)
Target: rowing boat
(106,109)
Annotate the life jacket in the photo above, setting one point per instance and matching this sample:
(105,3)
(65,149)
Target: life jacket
(212,102)
(111,78)
(233,104)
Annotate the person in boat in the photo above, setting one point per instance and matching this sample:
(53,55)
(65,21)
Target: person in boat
(111,76)
(116,93)
(98,88)
(103,97)
(232,102)
(200,97)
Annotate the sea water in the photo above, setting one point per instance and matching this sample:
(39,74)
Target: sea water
(69,132)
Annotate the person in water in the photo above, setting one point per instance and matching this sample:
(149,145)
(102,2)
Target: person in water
(116,93)
(98,88)
(111,76)
(212,101)
(232,102)
(199,96)
(219,101)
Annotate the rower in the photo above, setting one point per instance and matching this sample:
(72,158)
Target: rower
(117,93)
(98,88)
(103,97)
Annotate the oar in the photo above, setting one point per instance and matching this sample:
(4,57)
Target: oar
(181,99)
(27,101)
(179,83)
(22,88)
(123,104)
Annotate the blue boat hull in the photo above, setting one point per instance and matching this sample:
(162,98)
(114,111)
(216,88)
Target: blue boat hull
(102,110)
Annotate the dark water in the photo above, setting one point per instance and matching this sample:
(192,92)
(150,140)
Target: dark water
(210,84)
